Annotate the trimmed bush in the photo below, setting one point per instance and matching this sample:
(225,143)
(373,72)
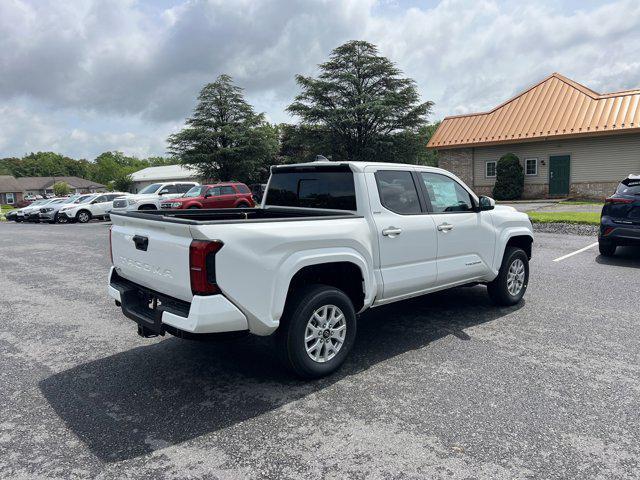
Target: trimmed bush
(61,188)
(509,178)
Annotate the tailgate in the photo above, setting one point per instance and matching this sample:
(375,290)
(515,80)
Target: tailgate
(153,254)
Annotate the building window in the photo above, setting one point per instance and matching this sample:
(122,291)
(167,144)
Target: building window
(10,198)
(490,169)
(531,166)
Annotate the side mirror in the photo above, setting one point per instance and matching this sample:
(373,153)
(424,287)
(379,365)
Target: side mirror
(486,203)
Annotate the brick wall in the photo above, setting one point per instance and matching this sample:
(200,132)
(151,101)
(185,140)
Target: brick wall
(594,190)
(459,162)
(531,191)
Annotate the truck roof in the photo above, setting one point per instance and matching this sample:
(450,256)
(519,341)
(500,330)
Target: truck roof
(360,166)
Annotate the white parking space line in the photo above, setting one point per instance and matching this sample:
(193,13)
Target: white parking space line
(576,252)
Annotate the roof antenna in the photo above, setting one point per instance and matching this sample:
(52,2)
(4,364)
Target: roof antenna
(321,158)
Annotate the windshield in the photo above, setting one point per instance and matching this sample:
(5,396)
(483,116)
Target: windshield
(58,200)
(70,199)
(87,198)
(37,202)
(150,188)
(82,198)
(195,191)
(629,187)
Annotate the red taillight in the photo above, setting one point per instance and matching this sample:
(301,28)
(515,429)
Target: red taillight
(202,267)
(608,230)
(111,244)
(619,200)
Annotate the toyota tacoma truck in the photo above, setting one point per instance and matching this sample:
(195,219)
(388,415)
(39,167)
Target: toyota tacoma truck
(329,241)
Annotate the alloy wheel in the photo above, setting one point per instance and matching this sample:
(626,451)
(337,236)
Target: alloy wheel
(515,277)
(325,333)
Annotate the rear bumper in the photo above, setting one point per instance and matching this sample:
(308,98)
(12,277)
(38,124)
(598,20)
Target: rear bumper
(618,233)
(205,314)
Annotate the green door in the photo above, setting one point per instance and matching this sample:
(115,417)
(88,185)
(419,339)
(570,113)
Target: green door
(559,172)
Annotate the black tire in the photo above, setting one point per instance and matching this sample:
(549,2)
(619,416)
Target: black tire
(62,219)
(83,216)
(607,248)
(243,205)
(290,336)
(498,289)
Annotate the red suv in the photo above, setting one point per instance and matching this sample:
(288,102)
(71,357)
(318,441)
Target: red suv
(220,195)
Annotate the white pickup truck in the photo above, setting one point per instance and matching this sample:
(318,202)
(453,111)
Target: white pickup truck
(329,241)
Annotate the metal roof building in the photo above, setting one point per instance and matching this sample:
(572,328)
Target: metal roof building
(571,140)
(165,173)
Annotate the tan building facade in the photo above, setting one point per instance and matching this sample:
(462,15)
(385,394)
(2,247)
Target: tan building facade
(571,141)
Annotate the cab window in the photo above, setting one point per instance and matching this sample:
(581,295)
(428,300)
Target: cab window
(398,191)
(227,190)
(184,187)
(168,189)
(445,194)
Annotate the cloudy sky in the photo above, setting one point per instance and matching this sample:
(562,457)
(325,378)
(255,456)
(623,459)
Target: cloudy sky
(82,77)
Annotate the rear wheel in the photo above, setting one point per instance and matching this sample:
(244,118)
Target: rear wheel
(317,331)
(607,248)
(509,286)
(83,216)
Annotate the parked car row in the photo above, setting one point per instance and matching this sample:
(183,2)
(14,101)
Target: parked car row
(76,208)
(169,195)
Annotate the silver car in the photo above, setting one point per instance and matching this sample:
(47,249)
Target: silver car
(49,212)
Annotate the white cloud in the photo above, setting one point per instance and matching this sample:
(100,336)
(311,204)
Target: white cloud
(86,76)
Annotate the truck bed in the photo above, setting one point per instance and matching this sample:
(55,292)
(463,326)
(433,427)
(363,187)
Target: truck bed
(238,215)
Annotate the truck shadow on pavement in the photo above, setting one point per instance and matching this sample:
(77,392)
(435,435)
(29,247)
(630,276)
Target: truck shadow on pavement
(147,398)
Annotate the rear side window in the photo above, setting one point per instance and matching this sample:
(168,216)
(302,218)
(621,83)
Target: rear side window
(446,194)
(169,189)
(242,188)
(312,188)
(629,187)
(397,191)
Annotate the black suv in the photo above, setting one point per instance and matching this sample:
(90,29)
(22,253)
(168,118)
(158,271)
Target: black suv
(620,220)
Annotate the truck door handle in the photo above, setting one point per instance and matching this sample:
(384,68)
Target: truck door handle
(391,231)
(142,243)
(445,227)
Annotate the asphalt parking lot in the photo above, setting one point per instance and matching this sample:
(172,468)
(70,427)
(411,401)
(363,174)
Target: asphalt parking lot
(446,386)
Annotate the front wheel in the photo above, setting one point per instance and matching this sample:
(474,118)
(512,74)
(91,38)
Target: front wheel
(317,331)
(607,248)
(509,286)
(83,216)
